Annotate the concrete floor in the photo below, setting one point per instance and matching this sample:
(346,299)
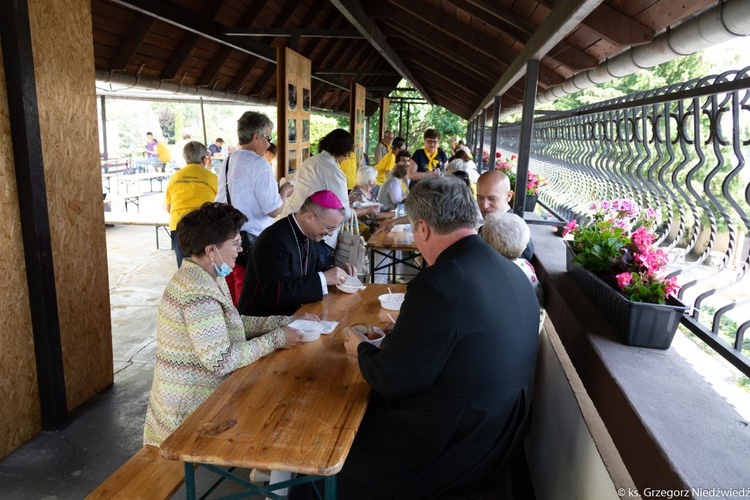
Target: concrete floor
(107,430)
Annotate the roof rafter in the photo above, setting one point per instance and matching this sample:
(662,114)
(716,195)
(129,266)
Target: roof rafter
(142,26)
(613,25)
(352,10)
(189,21)
(566,15)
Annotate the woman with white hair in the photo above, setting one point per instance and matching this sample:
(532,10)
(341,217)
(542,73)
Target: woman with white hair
(508,234)
(362,195)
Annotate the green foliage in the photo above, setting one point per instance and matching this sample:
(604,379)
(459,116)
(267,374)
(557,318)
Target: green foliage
(420,118)
(599,246)
(320,125)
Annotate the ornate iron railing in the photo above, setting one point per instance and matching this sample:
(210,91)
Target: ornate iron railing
(682,150)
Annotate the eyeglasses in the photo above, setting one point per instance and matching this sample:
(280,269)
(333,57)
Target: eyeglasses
(330,229)
(432,141)
(266,137)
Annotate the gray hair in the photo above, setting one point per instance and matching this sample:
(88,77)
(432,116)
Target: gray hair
(194,152)
(456,165)
(366,176)
(444,203)
(507,233)
(252,122)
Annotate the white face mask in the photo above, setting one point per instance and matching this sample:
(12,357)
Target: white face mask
(223,270)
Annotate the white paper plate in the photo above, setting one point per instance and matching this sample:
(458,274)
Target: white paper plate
(352,285)
(310,330)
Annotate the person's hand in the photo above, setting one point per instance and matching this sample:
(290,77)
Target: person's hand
(372,210)
(350,269)
(292,337)
(286,190)
(306,317)
(352,339)
(335,276)
(386,226)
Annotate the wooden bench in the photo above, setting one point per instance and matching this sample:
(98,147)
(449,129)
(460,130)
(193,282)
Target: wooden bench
(146,475)
(158,220)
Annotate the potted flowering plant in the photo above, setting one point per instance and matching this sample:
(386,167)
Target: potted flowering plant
(533,181)
(613,259)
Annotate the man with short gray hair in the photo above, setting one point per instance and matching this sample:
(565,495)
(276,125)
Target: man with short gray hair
(453,381)
(247,183)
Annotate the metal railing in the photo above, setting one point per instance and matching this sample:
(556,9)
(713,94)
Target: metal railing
(681,149)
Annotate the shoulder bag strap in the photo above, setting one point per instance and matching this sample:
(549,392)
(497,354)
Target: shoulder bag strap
(226,180)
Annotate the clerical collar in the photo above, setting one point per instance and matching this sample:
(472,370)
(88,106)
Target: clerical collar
(294,218)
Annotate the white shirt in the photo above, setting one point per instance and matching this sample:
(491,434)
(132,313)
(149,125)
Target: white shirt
(318,173)
(252,187)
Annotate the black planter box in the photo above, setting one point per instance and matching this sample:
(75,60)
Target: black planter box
(639,324)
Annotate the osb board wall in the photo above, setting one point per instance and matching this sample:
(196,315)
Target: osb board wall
(385,109)
(293,105)
(64,69)
(19,418)
(357,119)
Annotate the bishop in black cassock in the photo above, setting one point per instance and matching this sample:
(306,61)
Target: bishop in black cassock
(283,271)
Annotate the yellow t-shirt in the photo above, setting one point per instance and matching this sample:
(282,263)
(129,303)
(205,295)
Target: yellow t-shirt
(384,166)
(349,167)
(162,152)
(188,189)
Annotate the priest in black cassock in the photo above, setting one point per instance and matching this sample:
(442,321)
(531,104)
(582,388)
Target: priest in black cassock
(452,383)
(283,271)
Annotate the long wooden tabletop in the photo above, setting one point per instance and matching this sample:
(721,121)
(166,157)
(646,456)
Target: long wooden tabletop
(393,240)
(295,410)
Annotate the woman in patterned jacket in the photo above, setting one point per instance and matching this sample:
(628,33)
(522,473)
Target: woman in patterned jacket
(200,336)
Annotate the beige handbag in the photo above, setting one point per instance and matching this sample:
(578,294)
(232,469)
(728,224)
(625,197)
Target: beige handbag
(351,247)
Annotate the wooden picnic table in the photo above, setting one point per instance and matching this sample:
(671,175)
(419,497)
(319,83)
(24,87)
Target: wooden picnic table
(156,219)
(295,410)
(386,244)
(135,180)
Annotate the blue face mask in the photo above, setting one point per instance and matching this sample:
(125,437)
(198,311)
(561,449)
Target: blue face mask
(223,270)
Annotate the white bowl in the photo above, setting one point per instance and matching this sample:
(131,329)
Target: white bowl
(352,285)
(391,301)
(310,330)
(363,330)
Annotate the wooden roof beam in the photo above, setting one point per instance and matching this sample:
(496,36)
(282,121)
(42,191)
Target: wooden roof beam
(614,26)
(128,49)
(179,57)
(431,17)
(352,10)
(565,17)
(570,56)
(187,20)
(298,32)
(214,67)
(423,46)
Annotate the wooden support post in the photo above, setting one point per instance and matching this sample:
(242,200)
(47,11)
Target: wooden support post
(493,137)
(482,123)
(527,125)
(26,137)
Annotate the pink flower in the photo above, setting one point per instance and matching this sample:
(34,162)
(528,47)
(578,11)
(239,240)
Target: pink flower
(624,279)
(605,205)
(642,239)
(570,226)
(671,286)
(593,206)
